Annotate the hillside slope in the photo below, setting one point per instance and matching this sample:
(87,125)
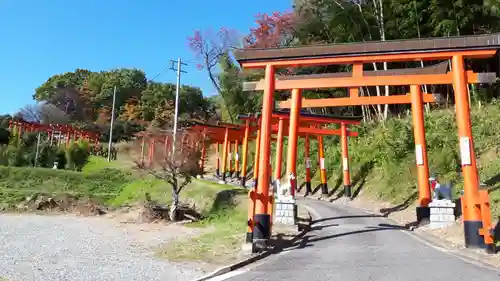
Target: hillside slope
(383,156)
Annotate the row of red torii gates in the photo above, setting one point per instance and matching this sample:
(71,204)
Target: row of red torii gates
(227,138)
(54,130)
(451,52)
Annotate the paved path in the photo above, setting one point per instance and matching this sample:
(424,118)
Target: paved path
(50,248)
(351,245)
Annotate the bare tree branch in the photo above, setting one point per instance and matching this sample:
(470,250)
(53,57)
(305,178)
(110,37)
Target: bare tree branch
(42,113)
(177,167)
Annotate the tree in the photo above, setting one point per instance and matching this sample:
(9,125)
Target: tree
(72,103)
(231,82)
(42,113)
(334,21)
(272,31)
(86,98)
(68,80)
(158,103)
(4,136)
(175,168)
(209,48)
(4,121)
(131,110)
(82,93)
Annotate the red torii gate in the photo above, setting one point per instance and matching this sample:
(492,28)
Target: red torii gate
(237,134)
(225,135)
(311,125)
(455,49)
(50,129)
(278,126)
(161,137)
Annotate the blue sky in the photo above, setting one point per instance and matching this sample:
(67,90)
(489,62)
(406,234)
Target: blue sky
(43,38)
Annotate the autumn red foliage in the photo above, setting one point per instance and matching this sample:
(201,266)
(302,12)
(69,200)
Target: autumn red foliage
(274,30)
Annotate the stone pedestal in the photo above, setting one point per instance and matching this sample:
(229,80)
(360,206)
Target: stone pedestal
(442,213)
(285,206)
(285,212)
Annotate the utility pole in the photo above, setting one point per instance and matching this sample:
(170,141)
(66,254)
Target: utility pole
(37,149)
(111,126)
(177,90)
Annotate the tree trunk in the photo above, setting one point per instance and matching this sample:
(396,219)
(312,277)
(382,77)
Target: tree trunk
(379,6)
(218,88)
(174,206)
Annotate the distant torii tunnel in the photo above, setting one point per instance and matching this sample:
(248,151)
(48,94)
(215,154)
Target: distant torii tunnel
(283,125)
(157,146)
(62,131)
(309,125)
(224,135)
(477,221)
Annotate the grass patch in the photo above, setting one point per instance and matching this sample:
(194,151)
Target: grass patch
(383,155)
(98,163)
(225,232)
(201,193)
(135,191)
(224,207)
(108,182)
(17,183)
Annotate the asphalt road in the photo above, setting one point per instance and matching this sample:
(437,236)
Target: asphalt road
(347,244)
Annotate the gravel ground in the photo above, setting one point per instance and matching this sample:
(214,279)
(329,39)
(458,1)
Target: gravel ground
(47,248)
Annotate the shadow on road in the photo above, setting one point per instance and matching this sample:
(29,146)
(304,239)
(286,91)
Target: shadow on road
(496,231)
(379,227)
(299,189)
(360,179)
(320,227)
(249,173)
(338,183)
(307,239)
(345,217)
(316,189)
(400,207)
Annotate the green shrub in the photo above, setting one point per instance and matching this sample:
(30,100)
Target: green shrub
(77,154)
(61,158)
(4,158)
(4,136)
(15,156)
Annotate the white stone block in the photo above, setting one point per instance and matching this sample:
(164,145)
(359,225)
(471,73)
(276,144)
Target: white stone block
(442,210)
(449,211)
(442,203)
(442,218)
(434,225)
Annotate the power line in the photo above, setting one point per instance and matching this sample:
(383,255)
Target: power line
(157,75)
(179,63)
(184,63)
